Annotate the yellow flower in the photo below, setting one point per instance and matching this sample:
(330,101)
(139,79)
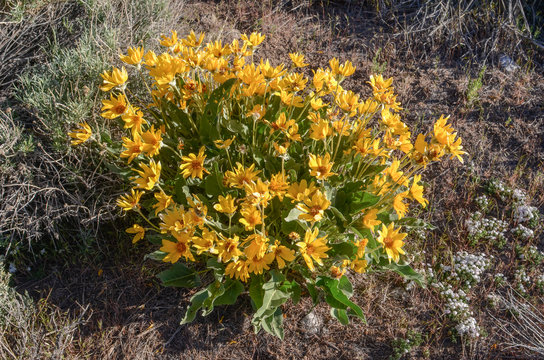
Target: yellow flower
(133,148)
(152,140)
(370,219)
(280,149)
(192,40)
(391,241)
(81,135)
(206,243)
(258,245)
(278,186)
(114,107)
(257,193)
(257,264)
(149,176)
(224,144)
(361,246)
(298,60)
(173,220)
(238,269)
(134,119)
(320,130)
(282,254)
(359,266)
(228,249)
(337,272)
(400,207)
(300,191)
(255,39)
(317,103)
(163,201)
(241,176)
(416,191)
(396,175)
(281,124)
(226,205)
(257,112)
(313,248)
(169,41)
(193,165)
(251,217)
(270,72)
(134,56)
(138,231)
(346,69)
(290,99)
(177,249)
(321,167)
(292,133)
(313,209)
(130,201)
(113,78)
(348,101)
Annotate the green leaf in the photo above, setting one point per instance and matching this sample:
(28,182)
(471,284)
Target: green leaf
(156,255)
(415,223)
(273,324)
(293,215)
(179,275)
(404,270)
(373,170)
(213,183)
(273,298)
(314,294)
(362,200)
(343,249)
(233,289)
(294,288)
(340,315)
(336,297)
(256,291)
(217,267)
(196,303)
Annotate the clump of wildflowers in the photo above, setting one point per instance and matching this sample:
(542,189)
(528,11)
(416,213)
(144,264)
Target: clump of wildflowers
(275,180)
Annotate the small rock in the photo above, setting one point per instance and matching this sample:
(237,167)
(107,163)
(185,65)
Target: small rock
(507,64)
(312,323)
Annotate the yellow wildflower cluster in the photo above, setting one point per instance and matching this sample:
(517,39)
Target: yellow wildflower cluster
(264,167)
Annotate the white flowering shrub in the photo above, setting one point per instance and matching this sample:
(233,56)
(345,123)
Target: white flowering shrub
(489,229)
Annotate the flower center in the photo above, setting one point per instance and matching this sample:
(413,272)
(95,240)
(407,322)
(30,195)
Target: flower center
(119,109)
(181,247)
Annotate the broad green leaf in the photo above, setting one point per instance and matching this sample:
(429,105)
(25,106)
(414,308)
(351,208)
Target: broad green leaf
(343,249)
(336,296)
(233,289)
(213,183)
(196,303)
(273,324)
(340,315)
(294,288)
(293,215)
(156,255)
(362,200)
(179,275)
(404,270)
(273,298)
(256,291)
(314,294)
(217,267)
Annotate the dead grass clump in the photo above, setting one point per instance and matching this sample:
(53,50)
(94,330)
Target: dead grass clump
(522,329)
(33,331)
